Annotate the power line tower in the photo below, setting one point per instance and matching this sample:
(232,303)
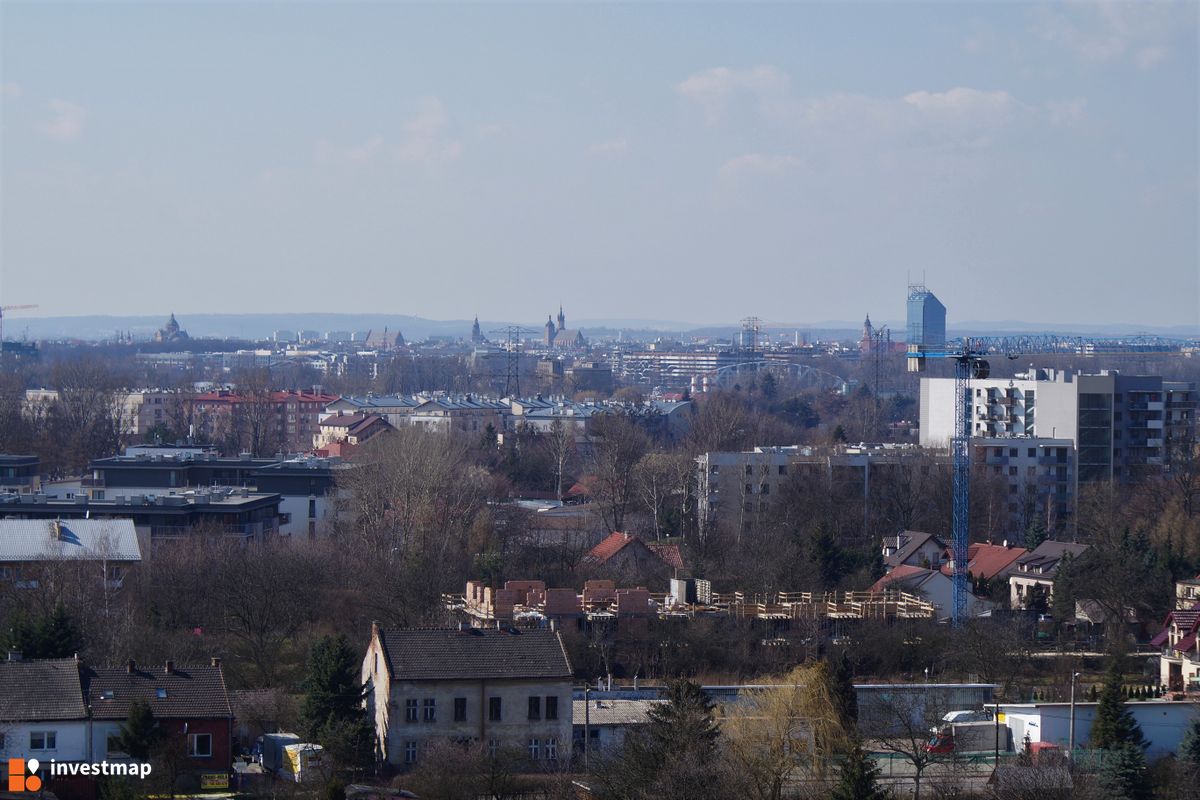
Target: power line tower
(750,330)
(513,345)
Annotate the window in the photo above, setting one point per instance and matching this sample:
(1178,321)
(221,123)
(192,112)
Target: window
(535,749)
(551,707)
(200,745)
(766,488)
(312,508)
(749,469)
(160,693)
(460,709)
(749,488)
(410,710)
(43,740)
(1033,452)
(535,708)
(430,709)
(106,694)
(1012,451)
(410,752)
(551,750)
(494,709)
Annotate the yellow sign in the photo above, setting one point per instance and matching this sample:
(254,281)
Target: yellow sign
(214,780)
(1001,717)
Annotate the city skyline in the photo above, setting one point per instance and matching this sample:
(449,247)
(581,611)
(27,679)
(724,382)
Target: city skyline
(799,163)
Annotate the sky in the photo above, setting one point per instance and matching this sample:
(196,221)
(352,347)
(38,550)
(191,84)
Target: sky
(797,162)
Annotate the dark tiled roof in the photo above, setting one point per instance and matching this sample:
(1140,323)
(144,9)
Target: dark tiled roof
(190,691)
(40,690)
(911,542)
(438,654)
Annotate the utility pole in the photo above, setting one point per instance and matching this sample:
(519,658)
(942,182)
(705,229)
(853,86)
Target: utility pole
(1071,731)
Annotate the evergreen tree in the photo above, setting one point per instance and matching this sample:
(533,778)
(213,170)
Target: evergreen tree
(1189,747)
(839,434)
(842,689)
(858,776)
(1123,774)
(1035,534)
(1063,598)
(58,634)
(685,723)
(332,713)
(1114,725)
(140,733)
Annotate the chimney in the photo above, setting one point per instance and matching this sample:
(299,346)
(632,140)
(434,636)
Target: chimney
(131,667)
(216,661)
(14,655)
(56,530)
(170,668)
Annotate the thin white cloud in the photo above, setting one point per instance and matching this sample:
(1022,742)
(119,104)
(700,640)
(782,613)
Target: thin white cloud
(66,122)
(714,89)
(759,164)
(362,153)
(612,147)
(1066,112)
(10,90)
(1112,30)
(963,106)
(425,139)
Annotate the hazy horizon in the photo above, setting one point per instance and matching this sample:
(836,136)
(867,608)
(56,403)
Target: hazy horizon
(703,162)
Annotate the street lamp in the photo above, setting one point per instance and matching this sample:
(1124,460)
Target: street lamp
(1071,730)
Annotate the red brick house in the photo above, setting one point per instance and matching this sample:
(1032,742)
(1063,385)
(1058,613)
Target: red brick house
(291,418)
(190,704)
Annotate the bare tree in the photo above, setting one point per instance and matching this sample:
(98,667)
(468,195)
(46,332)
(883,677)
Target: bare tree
(559,442)
(618,445)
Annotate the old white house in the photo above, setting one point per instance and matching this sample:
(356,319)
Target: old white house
(504,688)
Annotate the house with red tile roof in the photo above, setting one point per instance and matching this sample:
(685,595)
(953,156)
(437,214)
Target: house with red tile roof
(987,561)
(628,557)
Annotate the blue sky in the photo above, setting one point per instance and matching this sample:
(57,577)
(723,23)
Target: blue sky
(674,161)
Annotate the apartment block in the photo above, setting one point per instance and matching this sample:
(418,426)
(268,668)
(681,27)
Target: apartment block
(1117,422)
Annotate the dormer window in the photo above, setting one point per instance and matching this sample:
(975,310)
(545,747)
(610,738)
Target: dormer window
(106,694)
(160,693)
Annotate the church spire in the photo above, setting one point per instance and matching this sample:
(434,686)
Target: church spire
(562,320)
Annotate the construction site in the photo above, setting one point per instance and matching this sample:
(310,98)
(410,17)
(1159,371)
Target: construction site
(532,604)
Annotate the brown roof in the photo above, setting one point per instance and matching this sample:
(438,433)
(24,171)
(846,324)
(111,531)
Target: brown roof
(185,691)
(474,653)
(987,560)
(46,689)
(905,576)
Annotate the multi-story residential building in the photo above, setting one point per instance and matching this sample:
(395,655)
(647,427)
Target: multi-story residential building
(675,368)
(20,473)
(505,688)
(288,420)
(1038,568)
(349,429)
(1180,424)
(238,513)
(1116,421)
(742,488)
(1040,475)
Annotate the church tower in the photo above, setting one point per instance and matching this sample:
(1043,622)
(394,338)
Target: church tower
(562,320)
(868,336)
(476,334)
(550,331)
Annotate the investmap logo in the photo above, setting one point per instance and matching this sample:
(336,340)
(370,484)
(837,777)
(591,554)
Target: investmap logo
(21,775)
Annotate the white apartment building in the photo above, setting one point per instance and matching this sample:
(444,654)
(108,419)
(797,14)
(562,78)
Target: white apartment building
(1115,421)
